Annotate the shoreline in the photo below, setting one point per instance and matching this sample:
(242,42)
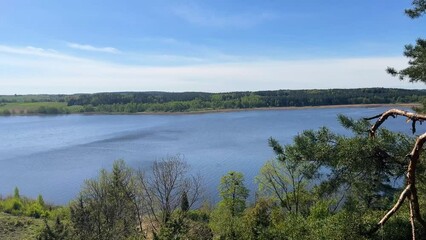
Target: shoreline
(207,111)
(374,105)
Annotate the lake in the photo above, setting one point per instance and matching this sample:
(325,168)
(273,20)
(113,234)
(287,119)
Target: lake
(53,155)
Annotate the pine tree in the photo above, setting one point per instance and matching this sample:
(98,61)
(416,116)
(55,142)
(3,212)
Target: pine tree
(184,204)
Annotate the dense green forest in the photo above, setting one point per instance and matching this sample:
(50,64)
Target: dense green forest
(136,102)
(321,186)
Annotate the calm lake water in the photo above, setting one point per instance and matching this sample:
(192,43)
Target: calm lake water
(52,155)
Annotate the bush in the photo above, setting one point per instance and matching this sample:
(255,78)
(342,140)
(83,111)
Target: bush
(12,206)
(35,210)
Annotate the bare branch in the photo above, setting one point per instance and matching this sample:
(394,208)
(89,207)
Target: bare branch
(397,205)
(393,113)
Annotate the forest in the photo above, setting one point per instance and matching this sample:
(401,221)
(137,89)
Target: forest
(138,102)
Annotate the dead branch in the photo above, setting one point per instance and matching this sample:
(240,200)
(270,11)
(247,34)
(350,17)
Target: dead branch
(395,208)
(410,190)
(393,113)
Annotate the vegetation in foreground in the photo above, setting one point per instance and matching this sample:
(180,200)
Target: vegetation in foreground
(19,227)
(137,102)
(24,218)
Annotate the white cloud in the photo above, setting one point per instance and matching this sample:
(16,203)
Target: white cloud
(204,17)
(24,70)
(91,48)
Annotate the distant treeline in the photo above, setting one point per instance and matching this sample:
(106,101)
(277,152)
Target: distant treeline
(132,102)
(191,101)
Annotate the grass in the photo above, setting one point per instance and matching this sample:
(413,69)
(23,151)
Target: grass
(19,227)
(25,108)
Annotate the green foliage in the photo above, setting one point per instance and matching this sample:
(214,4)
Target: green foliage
(224,224)
(105,207)
(344,184)
(257,221)
(184,202)
(419,8)
(188,101)
(32,219)
(284,178)
(417,62)
(13,206)
(21,108)
(59,231)
(359,167)
(233,192)
(18,205)
(416,71)
(61,212)
(19,227)
(35,210)
(16,193)
(225,220)
(289,226)
(343,225)
(40,200)
(137,102)
(175,229)
(180,226)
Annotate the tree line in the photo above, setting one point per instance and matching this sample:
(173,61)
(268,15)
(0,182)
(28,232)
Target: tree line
(192,101)
(136,102)
(279,98)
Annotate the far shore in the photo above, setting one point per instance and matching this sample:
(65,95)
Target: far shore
(393,105)
(206,111)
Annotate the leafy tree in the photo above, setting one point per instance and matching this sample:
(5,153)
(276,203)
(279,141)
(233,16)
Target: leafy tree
(40,200)
(285,178)
(257,221)
(105,207)
(233,192)
(225,220)
(16,193)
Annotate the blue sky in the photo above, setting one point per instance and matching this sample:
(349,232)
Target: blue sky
(211,45)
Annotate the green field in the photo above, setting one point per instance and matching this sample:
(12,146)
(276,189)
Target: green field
(28,108)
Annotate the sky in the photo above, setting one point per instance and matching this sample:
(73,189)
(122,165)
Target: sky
(82,46)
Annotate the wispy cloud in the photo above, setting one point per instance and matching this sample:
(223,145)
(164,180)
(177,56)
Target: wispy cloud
(197,52)
(28,70)
(207,17)
(91,48)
